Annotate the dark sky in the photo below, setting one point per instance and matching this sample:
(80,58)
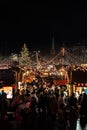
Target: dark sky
(35,24)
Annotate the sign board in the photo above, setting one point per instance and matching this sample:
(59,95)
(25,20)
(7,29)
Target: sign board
(60,82)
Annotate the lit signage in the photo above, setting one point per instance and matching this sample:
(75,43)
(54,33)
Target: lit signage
(60,82)
(8,90)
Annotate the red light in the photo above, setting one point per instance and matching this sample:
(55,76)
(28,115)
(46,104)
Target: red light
(82,84)
(14,87)
(78,84)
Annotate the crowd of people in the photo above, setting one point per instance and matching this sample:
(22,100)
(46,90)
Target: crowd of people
(42,107)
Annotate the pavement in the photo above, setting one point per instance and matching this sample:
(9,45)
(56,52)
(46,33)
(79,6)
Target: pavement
(81,127)
(44,125)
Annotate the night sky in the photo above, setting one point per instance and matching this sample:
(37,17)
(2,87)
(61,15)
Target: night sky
(35,24)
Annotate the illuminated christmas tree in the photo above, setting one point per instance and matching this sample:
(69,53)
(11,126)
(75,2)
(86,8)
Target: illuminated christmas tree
(24,58)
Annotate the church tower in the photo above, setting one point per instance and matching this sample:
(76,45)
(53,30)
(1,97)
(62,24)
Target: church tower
(52,47)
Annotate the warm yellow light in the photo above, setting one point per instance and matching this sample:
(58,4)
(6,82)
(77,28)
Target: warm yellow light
(61,73)
(27,72)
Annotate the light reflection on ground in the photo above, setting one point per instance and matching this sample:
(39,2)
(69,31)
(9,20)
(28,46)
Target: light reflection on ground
(79,127)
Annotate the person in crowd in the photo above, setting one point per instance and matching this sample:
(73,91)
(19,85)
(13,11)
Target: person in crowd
(83,110)
(73,100)
(60,100)
(4,103)
(52,110)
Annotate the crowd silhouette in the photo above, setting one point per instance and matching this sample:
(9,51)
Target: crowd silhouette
(42,108)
